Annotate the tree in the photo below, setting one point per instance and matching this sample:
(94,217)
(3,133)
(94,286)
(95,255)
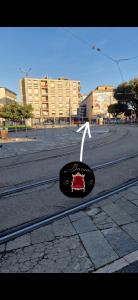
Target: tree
(11,112)
(127,92)
(26,111)
(128,113)
(16,112)
(117,109)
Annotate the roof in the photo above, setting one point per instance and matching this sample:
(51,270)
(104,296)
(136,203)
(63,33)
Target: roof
(3,87)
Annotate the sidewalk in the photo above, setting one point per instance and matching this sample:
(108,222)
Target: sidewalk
(101,239)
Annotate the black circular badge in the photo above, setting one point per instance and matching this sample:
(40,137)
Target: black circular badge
(76,179)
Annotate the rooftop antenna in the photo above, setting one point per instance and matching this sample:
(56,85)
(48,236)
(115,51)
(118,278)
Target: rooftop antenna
(25,72)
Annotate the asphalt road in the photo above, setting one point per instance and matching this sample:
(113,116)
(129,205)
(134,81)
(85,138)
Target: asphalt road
(19,208)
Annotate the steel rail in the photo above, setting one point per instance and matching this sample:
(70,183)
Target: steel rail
(62,154)
(27,227)
(18,189)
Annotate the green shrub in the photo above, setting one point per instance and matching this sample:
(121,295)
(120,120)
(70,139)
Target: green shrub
(19,127)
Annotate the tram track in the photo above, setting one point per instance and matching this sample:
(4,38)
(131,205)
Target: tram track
(89,143)
(20,188)
(27,227)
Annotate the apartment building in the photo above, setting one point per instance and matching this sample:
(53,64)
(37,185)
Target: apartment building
(97,102)
(6,96)
(51,99)
(82,97)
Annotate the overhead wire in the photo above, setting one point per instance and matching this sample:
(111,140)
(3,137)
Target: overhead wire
(93,47)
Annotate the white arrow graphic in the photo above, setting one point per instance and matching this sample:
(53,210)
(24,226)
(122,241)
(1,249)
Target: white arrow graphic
(87,128)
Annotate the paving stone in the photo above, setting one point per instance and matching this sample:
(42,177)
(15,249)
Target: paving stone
(93,211)
(120,241)
(46,266)
(135,202)
(63,221)
(98,248)
(131,196)
(105,226)
(79,266)
(129,208)
(102,218)
(117,214)
(132,230)
(114,198)
(71,258)
(116,265)
(132,256)
(77,216)
(60,229)
(2,248)
(134,189)
(131,268)
(42,234)
(19,242)
(84,224)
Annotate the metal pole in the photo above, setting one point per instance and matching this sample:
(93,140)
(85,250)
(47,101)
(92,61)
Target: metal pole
(110,104)
(69,111)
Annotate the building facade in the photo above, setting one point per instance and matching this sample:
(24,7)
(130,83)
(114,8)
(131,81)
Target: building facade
(6,96)
(51,99)
(97,102)
(82,97)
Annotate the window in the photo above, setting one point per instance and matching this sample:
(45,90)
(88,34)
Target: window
(45,113)
(36,97)
(74,92)
(52,84)
(43,92)
(43,98)
(29,91)
(36,91)
(36,105)
(45,106)
(52,98)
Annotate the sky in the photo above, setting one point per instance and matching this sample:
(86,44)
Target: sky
(67,52)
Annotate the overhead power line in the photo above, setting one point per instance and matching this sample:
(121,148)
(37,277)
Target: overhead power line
(93,47)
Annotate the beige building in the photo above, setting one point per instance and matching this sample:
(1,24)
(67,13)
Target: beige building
(97,102)
(51,99)
(82,97)
(6,96)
